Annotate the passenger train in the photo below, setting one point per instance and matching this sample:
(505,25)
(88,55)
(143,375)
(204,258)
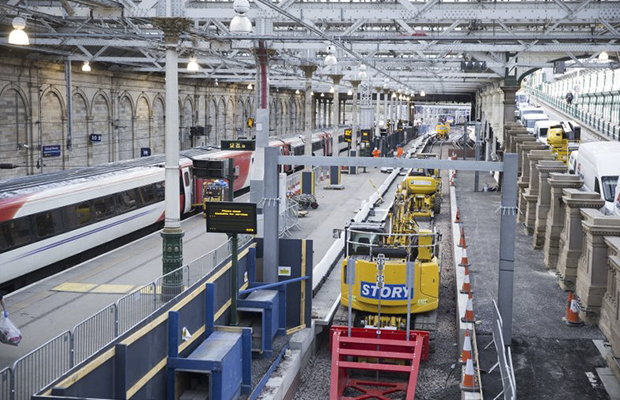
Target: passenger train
(50,217)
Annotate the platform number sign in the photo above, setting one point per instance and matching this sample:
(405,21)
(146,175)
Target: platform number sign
(95,137)
(145,151)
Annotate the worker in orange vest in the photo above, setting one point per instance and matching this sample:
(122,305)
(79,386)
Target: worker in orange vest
(399,151)
(376,153)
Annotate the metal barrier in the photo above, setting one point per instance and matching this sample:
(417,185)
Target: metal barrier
(504,358)
(576,111)
(94,333)
(6,383)
(42,365)
(289,218)
(51,360)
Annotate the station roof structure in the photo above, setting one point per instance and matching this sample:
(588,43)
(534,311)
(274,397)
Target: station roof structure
(407,45)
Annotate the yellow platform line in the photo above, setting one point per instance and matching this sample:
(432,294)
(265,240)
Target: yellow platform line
(76,287)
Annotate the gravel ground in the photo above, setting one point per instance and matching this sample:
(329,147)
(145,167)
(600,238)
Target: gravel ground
(437,379)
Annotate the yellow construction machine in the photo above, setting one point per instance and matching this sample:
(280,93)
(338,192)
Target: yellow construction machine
(443,131)
(381,293)
(563,139)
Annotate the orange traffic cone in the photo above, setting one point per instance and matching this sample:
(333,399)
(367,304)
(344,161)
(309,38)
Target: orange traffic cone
(466,354)
(572,312)
(466,288)
(469,384)
(469,311)
(457,220)
(462,239)
(464,260)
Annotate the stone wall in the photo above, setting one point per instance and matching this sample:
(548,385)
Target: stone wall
(127,110)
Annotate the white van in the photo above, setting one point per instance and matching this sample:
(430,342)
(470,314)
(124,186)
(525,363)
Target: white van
(541,127)
(523,111)
(597,164)
(529,121)
(572,161)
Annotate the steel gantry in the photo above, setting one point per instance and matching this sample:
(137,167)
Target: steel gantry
(417,45)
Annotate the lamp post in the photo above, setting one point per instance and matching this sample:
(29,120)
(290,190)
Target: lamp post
(172,234)
(308,71)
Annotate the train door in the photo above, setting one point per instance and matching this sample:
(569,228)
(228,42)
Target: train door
(186,190)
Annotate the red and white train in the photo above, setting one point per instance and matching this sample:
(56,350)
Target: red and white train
(48,218)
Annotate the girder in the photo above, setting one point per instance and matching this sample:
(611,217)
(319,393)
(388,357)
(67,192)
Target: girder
(420,43)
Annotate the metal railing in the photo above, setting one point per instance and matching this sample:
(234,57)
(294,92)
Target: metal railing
(504,358)
(48,362)
(289,218)
(576,111)
(42,365)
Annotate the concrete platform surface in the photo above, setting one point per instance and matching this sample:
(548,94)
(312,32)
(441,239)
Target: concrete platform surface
(550,359)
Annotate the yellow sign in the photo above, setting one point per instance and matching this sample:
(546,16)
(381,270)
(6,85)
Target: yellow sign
(250,122)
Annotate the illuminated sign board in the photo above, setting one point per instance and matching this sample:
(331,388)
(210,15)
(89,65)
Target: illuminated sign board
(231,217)
(244,145)
(347,135)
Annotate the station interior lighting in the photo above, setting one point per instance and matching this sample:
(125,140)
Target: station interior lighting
(241,23)
(603,56)
(250,86)
(422,93)
(86,66)
(362,72)
(18,36)
(332,90)
(322,94)
(350,92)
(330,58)
(312,93)
(297,91)
(192,65)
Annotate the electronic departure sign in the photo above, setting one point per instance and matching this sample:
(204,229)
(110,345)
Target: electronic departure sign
(243,145)
(347,135)
(366,136)
(231,217)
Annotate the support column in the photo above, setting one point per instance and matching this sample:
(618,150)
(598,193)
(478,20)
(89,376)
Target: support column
(271,245)
(354,118)
(262,126)
(610,323)
(555,217)
(386,109)
(377,115)
(509,108)
(592,269)
(308,71)
(172,234)
(531,193)
(507,245)
(335,104)
(543,203)
(571,237)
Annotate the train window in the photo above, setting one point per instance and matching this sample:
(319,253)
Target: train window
(79,215)
(14,233)
(186,177)
(147,195)
(104,207)
(127,201)
(160,191)
(48,224)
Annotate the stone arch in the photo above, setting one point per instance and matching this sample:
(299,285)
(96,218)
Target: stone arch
(79,131)
(158,133)
(240,118)
(221,121)
(53,129)
(14,117)
(212,121)
(142,125)
(187,121)
(230,120)
(281,118)
(125,127)
(100,124)
(292,116)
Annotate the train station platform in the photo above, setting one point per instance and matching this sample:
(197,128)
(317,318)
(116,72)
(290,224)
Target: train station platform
(551,360)
(57,304)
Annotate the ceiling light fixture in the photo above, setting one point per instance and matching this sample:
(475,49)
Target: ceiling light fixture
(18,36)
(192,65)
(603,56)
(240,22)
(250,86)
(86,66)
